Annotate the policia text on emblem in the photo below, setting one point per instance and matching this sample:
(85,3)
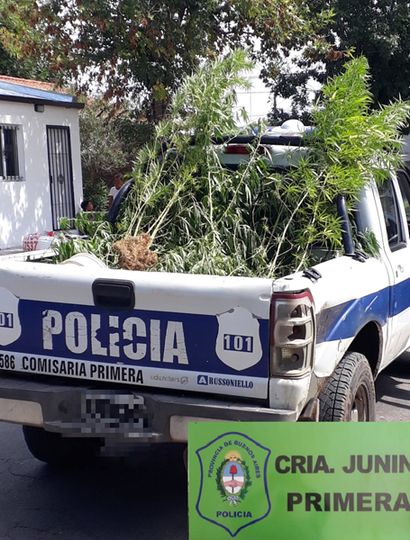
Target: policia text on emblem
(292,481)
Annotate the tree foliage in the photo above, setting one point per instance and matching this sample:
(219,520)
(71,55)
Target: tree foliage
(143,48)
(110,138)
(254,221)
(12,67)
(101,150)
(379,31)
(24,66)
(7,65)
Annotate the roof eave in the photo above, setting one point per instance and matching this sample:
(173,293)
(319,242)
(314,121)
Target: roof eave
(21,99)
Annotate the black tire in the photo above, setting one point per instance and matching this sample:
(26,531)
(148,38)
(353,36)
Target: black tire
(60,451)
(349,394)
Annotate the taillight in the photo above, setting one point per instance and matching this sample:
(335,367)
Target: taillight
(237,149)
(292,333)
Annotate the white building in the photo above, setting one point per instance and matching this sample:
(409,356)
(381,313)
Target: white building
(40,165)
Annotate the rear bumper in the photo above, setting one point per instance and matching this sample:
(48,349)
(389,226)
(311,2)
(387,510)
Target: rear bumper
(151,417)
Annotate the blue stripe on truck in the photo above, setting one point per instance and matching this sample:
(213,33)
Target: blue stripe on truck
(345,320)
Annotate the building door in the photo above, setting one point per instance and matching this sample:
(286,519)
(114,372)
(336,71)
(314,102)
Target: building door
(61,174)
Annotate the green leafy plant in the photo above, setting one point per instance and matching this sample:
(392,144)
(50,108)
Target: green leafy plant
(88,222)
(65,223)
(99,243)
(204,218)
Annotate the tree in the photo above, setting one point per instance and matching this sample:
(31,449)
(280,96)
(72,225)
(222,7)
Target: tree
(378,30)
(12,67)
(6,63)
(143,48)
(102,154)
(110,138)
(18,67)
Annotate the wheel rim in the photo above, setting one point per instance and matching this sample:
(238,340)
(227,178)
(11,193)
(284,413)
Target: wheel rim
(360,406)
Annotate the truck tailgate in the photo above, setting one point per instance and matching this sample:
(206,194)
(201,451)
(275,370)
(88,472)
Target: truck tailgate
(173,331)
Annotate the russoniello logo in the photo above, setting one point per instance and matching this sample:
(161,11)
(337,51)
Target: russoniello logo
(205,380)
(233,490)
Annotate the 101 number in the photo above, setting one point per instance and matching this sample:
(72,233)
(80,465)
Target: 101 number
(6,320)
(238,343)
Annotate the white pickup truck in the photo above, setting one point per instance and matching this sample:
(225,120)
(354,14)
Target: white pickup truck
(90,354)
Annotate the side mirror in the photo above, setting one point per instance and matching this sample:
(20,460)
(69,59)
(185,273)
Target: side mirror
(119,199)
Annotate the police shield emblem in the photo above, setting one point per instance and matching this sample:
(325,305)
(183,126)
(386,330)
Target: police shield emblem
(238,343)
(233,490)
(10,327)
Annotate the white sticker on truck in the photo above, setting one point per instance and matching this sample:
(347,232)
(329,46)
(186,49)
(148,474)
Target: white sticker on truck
(126,374)
(238,344)
(10,327)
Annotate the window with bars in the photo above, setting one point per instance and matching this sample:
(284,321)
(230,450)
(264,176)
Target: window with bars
(9,154)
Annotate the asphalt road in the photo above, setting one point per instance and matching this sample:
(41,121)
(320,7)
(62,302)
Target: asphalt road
(393,391)
(142,498)
(139,498)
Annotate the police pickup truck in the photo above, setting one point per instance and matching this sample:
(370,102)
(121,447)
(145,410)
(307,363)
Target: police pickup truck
(91,355)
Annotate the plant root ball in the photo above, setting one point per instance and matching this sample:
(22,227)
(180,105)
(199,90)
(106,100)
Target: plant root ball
(134,252)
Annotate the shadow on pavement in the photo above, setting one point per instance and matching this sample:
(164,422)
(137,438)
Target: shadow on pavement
(393,384)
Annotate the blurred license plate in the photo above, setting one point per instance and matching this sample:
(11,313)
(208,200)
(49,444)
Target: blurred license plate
(112,413)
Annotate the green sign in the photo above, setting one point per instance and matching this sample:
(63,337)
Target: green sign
(285,481)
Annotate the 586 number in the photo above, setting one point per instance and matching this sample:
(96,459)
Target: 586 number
(7,361)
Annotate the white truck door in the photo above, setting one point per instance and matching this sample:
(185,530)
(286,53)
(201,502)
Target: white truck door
(395,202)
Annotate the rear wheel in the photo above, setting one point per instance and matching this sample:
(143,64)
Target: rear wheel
(54,449)
(349,395)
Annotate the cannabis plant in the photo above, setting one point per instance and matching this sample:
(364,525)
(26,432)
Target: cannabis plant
(204,218)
